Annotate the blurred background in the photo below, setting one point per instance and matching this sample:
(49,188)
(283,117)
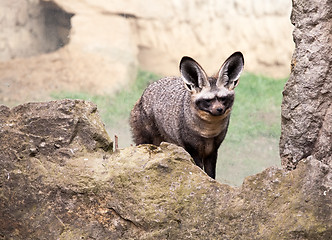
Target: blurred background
(107,51)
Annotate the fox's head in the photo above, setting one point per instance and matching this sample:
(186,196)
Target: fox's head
(212,96)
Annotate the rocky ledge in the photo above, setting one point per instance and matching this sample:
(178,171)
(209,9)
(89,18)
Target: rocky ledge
(60,179)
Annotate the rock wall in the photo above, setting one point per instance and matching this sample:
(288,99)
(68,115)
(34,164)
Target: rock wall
(211,30)
(99,54)
(31,28)
(307,97)
(103,42)
(60,180)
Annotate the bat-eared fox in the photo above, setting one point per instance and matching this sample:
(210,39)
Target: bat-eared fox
(191,111)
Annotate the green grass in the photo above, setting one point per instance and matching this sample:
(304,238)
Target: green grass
(252,140)
(256,109)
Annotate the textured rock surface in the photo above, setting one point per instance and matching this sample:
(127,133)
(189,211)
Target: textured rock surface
(59,180)
(307,101)
(58,128)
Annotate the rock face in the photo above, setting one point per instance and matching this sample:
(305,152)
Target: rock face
(212,30)
(32,27)
(56,46)
(60,180)
(97,46)
(307,102)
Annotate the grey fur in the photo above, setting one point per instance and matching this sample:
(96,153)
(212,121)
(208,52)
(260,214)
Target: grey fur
(192,111)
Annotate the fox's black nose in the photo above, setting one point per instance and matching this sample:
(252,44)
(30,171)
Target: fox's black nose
(217,111)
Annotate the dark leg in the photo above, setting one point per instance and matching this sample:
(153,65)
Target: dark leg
(194,154)
(198,161)
(196,157)
(210,164)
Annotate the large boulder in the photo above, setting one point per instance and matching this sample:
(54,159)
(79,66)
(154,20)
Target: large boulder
(59,179)
(306,127)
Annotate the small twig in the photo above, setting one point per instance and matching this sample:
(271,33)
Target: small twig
(116,142)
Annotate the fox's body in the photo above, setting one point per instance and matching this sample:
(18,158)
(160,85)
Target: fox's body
(192,111)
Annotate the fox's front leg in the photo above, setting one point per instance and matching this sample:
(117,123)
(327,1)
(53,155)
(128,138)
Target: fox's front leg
(210,164)
(194,154)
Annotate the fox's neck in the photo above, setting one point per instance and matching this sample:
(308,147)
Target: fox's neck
(207,125)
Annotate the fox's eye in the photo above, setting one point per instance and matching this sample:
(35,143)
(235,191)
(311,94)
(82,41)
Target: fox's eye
(203,103)
(222,99)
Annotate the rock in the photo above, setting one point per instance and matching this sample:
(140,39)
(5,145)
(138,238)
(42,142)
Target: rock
(52,129)
(307,98)
(48,191)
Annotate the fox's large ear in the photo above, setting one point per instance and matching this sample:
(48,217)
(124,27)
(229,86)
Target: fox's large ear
(229,73)
(192,74)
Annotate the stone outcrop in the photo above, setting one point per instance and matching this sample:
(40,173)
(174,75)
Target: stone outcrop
(307,97)
(60,180)
(97,46)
